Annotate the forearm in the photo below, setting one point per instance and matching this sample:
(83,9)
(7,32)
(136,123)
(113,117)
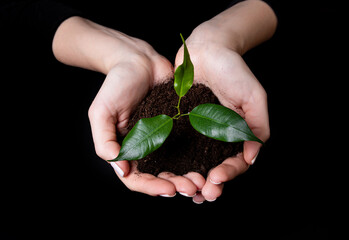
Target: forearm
(82,43)
(243,26)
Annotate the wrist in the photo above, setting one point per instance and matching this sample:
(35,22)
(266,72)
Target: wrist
(212,33)
(239,28)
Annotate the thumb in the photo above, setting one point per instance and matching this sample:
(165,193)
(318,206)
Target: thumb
(251,151)
(162,69)
(256,116)
(111,151)
(104,138)
(179,58)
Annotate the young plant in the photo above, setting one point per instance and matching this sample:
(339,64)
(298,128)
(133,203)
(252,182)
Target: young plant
(212,120)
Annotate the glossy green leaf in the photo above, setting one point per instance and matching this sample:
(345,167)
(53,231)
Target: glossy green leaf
(184,74)
(221,123)
(145,137)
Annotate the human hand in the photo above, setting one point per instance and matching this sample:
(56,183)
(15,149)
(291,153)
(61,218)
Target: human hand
(224,71)
(126,84)
(128,80)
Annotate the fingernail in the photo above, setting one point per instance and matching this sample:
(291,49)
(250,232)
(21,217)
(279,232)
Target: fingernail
(117,169)
(197,202)
(167,195)
(186,194)
(212,200)
(254,159)
(216,183)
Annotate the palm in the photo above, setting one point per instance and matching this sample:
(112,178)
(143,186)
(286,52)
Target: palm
(230,79)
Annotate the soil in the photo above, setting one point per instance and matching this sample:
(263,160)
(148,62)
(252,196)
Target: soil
(185,150)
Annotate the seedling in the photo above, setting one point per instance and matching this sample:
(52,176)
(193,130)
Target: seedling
(212,120)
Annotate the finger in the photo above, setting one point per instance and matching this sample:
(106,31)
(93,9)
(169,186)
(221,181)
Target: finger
(198,198)
(148,184)
(197,179)
(228,170)
(212,191)
(183,185)
(104,137)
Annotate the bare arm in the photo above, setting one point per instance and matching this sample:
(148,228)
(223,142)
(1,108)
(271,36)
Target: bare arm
(82,43)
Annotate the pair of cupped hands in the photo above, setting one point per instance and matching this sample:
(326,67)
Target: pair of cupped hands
(136,68)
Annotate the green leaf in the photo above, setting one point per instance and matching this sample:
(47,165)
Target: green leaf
(221,123)
(145,137)
(184,74)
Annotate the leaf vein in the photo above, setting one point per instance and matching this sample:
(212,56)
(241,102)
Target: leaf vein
(146,136)
(221,123)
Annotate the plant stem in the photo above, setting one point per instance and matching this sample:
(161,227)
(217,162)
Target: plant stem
(179,102)
(178,115)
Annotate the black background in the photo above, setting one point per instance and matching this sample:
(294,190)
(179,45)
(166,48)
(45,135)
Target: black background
(53,184)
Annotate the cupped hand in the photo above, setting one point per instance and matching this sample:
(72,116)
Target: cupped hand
(137,67)
(224,71)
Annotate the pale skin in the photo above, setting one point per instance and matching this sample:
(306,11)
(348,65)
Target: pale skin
(133,67)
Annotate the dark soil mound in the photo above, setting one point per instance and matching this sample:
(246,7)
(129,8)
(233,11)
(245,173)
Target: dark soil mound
(185,150)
